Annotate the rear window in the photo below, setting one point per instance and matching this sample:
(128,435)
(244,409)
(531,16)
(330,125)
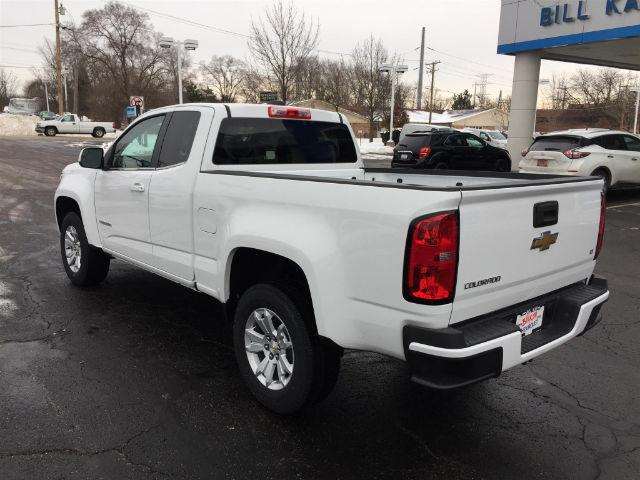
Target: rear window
(250,141)
(555,144)
(414,141)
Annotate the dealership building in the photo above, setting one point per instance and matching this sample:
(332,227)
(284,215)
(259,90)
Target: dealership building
(595,32)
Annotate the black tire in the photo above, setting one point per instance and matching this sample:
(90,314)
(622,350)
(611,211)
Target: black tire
(98,132)
(50,131)
(94,264)
(441,165)
(605,175)
(316,363)
(503,165)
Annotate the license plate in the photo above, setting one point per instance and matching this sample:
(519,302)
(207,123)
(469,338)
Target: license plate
(530,320)
(543,162)
(404,156)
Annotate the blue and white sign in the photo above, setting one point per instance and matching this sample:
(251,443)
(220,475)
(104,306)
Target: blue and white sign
(131,112)
(527,25)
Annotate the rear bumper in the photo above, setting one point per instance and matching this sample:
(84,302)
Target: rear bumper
(483,347)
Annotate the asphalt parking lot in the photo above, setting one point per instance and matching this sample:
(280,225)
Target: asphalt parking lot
(136,379)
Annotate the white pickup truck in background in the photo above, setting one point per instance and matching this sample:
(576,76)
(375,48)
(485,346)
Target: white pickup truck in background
(269,210)
(71,123)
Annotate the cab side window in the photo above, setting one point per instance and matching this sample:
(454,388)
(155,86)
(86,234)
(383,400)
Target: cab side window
(67,118)
(633,143)
(178,139)
(135,149)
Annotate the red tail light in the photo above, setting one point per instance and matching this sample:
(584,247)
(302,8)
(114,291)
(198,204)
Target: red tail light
(277,111)
(425,152)
(603,211)
(431,261)
(575,154)
(524,152)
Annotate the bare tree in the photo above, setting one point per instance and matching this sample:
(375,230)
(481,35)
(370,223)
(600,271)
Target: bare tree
(369,86)
(281,40)
(8,87)
(334,83)
(253,82)
(226,74)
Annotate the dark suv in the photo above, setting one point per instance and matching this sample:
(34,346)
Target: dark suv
(448,150)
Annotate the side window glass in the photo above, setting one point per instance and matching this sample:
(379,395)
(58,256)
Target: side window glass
(611,142)
(67,118)
(454,141)
(135,149)
(633,143)
(474,142)
(178,139)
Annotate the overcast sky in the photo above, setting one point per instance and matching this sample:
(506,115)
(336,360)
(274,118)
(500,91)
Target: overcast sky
(463,33)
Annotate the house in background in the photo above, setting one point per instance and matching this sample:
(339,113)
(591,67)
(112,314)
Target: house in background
(359,123)
(490,119)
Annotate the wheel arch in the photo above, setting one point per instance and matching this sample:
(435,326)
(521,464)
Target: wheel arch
(607,170)
(65,205)
(250,266)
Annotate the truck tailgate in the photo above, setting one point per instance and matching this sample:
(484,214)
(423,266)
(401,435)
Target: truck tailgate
(505,260)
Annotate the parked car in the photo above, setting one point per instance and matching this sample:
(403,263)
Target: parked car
(447,149)
(70,123)
(612,155)
(269,210)
(494,138)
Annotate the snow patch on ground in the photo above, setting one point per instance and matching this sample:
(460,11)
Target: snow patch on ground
(373,148)
(17,125)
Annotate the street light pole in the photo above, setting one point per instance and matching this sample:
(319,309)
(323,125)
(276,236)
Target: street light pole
(167,42)
(635,121)
(393,71)
(58,59)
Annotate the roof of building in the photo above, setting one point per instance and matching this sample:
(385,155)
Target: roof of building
(446,117)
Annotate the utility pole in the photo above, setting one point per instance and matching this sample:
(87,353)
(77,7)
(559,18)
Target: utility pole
(432,65)
(475,86)
(46,95)
(421,74)
(58,60)
(635,121)
(393,70)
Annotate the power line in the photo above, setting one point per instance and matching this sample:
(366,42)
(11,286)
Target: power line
(26,25)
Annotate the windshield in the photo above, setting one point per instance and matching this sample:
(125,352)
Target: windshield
(558,143)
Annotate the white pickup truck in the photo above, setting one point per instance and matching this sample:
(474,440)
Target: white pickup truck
(269,210)
(71,123)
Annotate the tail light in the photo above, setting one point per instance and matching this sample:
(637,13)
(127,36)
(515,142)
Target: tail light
(603,211)
(524,152)
(575,154)
(277,111)
(425,152)
(431,259)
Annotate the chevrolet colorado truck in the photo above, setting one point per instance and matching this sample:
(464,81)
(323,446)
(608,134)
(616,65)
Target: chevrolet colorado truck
(70,123)
(269,210)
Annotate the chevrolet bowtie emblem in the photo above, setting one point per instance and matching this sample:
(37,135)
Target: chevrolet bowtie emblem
(544,241)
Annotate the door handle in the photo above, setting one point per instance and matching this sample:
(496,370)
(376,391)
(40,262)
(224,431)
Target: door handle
(635,159)
(137,187)
(609,156)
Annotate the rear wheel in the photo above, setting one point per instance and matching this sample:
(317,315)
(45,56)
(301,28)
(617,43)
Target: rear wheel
(606,177)
(503,165)
(84,264)
(441,165)
(282,362)
(98,132)
(50,131)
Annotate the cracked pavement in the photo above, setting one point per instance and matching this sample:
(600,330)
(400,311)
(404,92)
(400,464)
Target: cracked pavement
(136,379)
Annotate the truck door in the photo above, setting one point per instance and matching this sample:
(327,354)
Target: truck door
(122,190)
(68,124)
(171,194)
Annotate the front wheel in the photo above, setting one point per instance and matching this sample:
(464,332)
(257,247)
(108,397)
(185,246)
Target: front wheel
(281,361)
(98,132)
(50,131)
(84,264)
(503,165)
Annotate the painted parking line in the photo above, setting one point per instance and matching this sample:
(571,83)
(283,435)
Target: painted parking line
(634,204)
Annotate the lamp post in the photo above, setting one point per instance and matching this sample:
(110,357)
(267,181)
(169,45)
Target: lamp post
(393,70)
(636,89)
(189,44)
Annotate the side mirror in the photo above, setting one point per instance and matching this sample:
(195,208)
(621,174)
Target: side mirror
(91,157)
